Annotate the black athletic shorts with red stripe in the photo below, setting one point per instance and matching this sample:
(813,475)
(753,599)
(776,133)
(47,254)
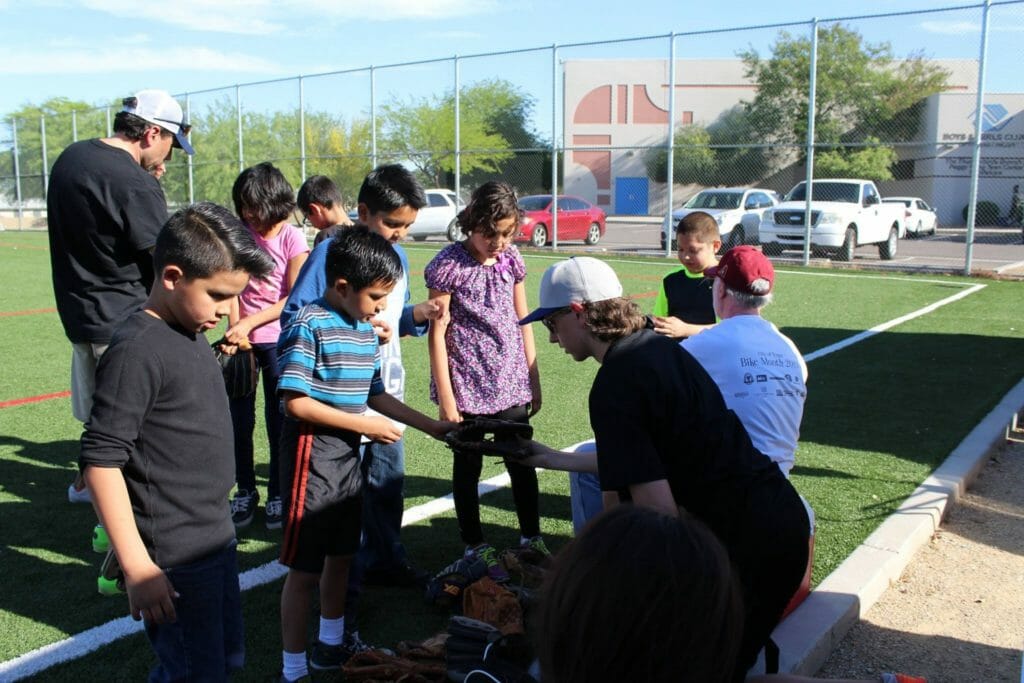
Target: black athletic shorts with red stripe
(321,493)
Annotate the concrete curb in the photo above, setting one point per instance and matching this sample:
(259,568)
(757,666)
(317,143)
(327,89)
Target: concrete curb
(813,630)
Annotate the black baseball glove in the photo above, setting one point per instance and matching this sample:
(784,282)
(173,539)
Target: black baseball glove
(489,436)
(239,369)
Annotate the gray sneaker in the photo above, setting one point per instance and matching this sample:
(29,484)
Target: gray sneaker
(354,644)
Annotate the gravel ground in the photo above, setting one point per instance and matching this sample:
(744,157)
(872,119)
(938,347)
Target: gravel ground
(957,613)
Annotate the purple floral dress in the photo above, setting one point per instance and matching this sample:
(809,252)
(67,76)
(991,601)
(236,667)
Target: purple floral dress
(485,345)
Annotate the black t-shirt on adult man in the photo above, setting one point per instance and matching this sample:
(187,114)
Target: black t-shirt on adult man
(159,414)
(104,212)
(657,414)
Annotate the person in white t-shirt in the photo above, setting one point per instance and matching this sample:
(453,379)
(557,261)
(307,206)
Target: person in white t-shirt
(759,370)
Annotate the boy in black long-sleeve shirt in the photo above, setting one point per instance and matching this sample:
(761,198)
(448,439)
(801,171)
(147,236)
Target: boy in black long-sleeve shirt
(156,455)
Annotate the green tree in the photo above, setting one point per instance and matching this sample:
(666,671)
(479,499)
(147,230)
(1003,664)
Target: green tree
(422,131)
(738,161)
(693,160)
(862,92)
(874,162)
(64,119)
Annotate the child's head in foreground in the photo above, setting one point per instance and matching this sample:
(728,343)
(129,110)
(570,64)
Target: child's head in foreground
(362,269)
(203,258)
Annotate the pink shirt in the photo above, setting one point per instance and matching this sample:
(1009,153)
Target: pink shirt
(261,294)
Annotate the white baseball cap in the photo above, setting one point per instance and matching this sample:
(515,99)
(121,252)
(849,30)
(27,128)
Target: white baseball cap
(581,279)
(159,108)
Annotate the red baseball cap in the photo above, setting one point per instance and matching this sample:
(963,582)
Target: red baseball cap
(744,269)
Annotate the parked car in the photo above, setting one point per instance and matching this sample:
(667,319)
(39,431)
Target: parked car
(845,213)
(737,210)
(438,216)
(578,219)
(919,218)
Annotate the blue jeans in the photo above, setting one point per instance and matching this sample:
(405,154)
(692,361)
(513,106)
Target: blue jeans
(584,491)
(207,641)
(383,504)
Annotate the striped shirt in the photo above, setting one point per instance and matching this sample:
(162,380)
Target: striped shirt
(330,358)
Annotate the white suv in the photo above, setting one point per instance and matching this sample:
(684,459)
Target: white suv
(737,210)
(438,216)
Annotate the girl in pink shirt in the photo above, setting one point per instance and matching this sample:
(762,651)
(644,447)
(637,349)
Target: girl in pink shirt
(263,200)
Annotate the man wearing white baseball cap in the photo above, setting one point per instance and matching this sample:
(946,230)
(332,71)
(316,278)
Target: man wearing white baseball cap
(104,210)
(666,440)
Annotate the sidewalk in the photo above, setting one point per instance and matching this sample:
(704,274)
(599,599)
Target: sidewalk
(808,637)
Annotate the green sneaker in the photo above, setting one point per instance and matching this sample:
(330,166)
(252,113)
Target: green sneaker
(489,555)
(537,543)
(100,540)
(111,579)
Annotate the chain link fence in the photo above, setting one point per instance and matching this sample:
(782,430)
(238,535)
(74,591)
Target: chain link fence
(922,104)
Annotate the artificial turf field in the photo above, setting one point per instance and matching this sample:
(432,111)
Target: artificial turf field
(881,414)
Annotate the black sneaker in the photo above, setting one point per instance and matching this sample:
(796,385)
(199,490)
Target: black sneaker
(243,507)
(327,657)
(273,513)
(404,575)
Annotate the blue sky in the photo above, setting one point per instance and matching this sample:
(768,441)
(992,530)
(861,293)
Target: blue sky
(97,50)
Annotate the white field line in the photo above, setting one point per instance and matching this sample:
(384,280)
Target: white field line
(866,334)
(94,638)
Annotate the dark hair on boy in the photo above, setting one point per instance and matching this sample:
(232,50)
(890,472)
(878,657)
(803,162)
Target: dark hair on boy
(262,195)
(613,319)
(700,225)
(132,126)
(669,609)
(391,187)
(493,201)
(206,238)
(318,189)
(363,258)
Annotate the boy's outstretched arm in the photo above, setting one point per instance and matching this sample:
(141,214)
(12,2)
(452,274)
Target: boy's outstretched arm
(671,326)
(150,593)
(386,404)
(568,461)
(307,409)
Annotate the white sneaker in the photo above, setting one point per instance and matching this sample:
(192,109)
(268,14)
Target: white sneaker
(79,496)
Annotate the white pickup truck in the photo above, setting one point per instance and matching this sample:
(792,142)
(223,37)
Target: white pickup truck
(844,215)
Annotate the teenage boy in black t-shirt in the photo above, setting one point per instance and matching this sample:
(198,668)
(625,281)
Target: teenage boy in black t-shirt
(666,440)
(156,455)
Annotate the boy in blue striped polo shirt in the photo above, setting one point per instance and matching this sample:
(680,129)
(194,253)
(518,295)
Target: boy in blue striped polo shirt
(330,372)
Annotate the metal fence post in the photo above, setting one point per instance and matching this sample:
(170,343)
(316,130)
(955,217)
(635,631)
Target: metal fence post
(238,116)
(110,128)
(670,167)
(302,130)
(188,157)
(17,173)
(972,199)
(809,181)
(458,142)
(42,146)
(373,119)
(554,146)
(74,126)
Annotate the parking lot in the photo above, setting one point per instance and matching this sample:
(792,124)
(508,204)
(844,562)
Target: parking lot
(995,250)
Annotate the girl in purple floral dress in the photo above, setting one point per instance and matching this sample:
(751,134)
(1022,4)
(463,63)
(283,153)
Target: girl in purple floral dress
(482,362)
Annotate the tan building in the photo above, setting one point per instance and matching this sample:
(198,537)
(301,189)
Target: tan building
(622,107)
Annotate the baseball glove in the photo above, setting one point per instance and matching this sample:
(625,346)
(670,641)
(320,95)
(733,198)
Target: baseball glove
(447,586)
(239,369)
(489,436)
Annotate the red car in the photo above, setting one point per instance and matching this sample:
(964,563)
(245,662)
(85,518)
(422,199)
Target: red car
(578,219)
